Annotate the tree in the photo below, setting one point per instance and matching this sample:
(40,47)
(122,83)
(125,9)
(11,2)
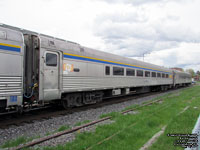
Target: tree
(191,71)
(198,72)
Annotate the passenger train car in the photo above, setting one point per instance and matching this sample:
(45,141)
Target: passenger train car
(36,69)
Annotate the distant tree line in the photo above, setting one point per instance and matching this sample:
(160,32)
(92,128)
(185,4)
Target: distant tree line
(193,73)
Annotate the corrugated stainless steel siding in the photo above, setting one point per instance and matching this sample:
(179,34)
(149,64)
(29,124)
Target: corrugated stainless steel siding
(74,83)
(10,86)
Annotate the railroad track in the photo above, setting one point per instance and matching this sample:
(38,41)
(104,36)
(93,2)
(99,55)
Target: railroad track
(7,121)
(43,139)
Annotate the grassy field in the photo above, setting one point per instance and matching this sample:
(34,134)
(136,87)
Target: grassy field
(177,111)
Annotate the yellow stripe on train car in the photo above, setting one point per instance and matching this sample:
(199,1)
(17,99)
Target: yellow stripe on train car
(112,61)
(10,45)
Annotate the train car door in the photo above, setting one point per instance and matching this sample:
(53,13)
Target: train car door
(174,78)
(51,75)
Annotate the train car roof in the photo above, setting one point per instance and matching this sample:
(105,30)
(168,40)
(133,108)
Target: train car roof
(183,73)
(11,35)
(76,49)
(82,51)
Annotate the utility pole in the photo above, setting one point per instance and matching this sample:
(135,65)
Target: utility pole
(144,54)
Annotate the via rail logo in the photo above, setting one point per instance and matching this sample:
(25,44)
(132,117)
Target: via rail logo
(67,68)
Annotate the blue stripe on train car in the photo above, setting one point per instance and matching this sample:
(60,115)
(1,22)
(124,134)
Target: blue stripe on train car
(8,48)
(111,63)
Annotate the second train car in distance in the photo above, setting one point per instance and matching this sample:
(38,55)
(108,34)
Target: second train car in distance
(36,69)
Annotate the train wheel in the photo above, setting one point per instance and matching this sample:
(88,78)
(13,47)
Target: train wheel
(19,109)
(65,104)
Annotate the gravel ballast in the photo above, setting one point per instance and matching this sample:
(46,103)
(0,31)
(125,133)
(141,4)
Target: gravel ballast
(41,128)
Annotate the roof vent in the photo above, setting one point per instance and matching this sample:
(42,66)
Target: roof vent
(2,34)
(51,43)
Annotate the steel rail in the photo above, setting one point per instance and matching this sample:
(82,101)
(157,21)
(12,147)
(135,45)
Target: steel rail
(40,140)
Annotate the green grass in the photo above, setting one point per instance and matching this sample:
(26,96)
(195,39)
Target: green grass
(23,139)
(63,127)
(16,142)
(133,131)
(112,114)
(132,107)
(183,123)
(83,122)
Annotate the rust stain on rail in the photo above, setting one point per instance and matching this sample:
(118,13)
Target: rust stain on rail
(38,141)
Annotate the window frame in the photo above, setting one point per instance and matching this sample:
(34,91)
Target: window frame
(163,75)
(158,73)
(153,73)
(148,73)
(114,67)
(46,61)
(130,70)
(140,75)
(107,70)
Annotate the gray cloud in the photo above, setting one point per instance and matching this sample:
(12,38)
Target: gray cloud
(141,2)
(132,47)
(176,33)
(132,36)
(126,17)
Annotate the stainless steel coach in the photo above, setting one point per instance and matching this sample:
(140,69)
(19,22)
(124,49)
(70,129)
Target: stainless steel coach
(36,69)
(11,67)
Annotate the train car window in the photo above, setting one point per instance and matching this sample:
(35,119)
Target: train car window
(167,76)
(163,75)
(147,74)
(107,70)
(158,75)
(51,59)
(153,74)
(130,72)
(140,73)
(118,71)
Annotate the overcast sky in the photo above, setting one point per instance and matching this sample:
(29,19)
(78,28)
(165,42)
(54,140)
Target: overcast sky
(167,32)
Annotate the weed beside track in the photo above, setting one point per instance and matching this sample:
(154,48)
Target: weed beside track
(132,131)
